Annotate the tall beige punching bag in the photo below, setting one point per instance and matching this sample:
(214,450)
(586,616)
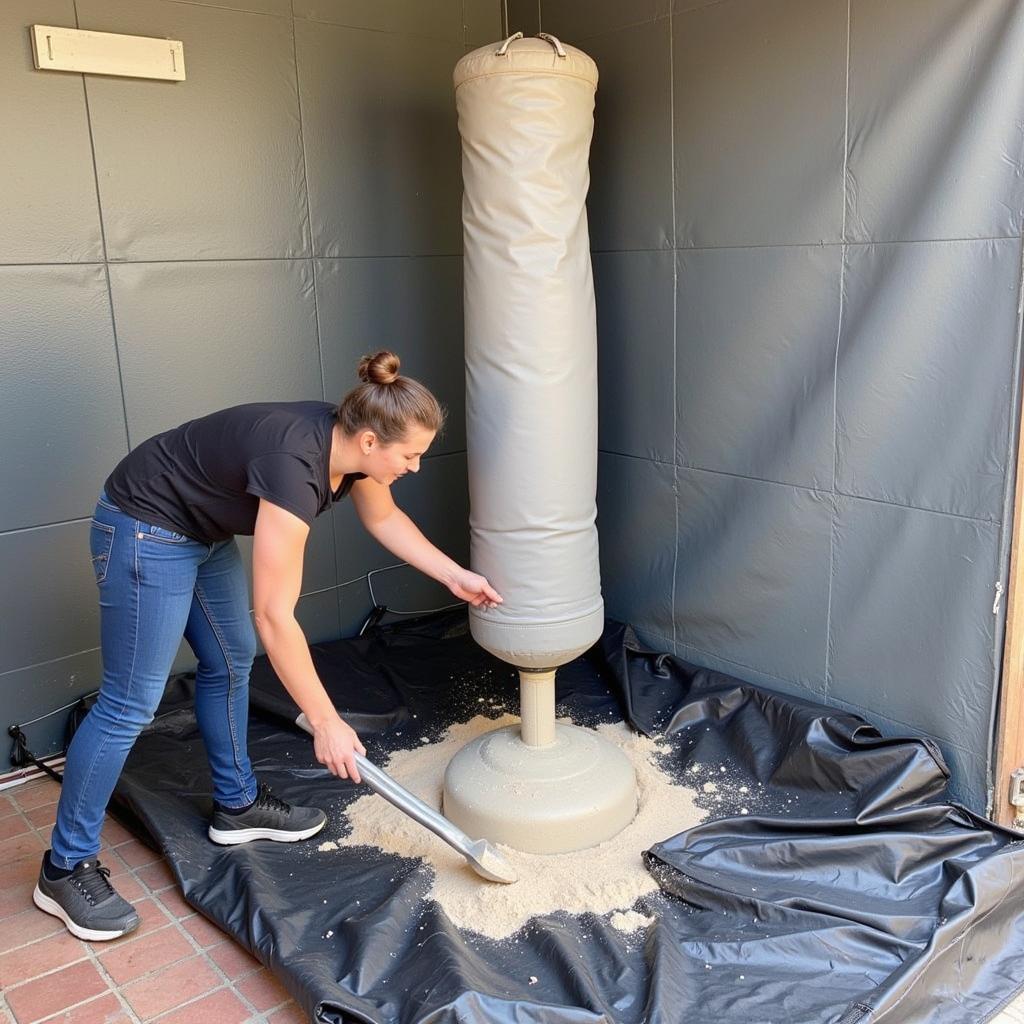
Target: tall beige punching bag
(526,115)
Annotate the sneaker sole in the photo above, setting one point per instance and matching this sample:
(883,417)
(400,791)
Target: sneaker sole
(237,836)
(51,906)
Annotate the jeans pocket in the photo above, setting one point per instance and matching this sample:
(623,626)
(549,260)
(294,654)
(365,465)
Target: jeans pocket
(147,531)
(101,540)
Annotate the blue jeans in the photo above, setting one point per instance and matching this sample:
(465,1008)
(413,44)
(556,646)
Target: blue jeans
(156,586)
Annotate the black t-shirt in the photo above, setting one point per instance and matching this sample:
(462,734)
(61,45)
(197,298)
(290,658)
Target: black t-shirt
(205,478)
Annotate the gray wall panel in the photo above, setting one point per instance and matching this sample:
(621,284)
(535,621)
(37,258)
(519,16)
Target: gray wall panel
(411,306)
(705,659)
(185,660)
(280,7)
(436,499)
(756,341)
(318,570)
(679,6)
(196,337)
(440,19)
(58,614)
(912,624)
(759,95)
(523,16)
(63,681)
(936,91)
(635,320)
(924,387)
(630,199)
(356,552)
(318,615)
(752,575)
(482,22)
(573,20)
(62,393)
(654,640)
(636,514)
(353,607)
(381,142)
(48,207)
(206,168)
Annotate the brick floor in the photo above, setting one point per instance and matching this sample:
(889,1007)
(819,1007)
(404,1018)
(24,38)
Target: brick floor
(176,968)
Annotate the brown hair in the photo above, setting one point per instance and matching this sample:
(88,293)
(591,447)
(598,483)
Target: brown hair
(388,403)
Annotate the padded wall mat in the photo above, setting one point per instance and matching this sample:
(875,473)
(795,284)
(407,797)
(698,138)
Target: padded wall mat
(847,892)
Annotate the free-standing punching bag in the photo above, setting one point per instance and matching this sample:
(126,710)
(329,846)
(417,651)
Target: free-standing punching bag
(526,117)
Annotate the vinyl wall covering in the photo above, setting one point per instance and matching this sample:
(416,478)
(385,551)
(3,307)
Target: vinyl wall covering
(806,224)
(167,249)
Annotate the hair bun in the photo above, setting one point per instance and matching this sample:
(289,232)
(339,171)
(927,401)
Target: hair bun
(381,368)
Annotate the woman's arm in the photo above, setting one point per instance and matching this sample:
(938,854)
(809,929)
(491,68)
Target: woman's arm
(389,525)
(278,546)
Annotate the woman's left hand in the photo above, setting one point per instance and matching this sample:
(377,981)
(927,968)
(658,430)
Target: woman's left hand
(471,587)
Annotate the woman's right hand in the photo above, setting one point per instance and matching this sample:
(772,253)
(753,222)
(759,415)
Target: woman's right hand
(335,744)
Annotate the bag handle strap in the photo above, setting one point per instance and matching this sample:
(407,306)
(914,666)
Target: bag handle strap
(502,50)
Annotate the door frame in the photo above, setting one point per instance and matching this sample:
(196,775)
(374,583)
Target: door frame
(1009,737)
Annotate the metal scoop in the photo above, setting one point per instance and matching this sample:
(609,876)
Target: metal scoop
(483,858)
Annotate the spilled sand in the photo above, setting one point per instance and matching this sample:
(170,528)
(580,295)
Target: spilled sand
(605,879)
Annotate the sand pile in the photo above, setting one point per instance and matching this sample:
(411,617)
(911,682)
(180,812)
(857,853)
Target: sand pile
(605,878)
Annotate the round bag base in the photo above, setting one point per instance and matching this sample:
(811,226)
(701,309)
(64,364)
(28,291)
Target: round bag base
(574,793)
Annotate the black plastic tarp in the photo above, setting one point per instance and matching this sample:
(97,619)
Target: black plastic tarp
(850,892)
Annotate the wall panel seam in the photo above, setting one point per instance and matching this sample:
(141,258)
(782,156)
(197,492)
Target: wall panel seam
(833,506)
(844,243)
(232,10)
(818,697)
(305,181)
(675,315)
(821,492)
(55,263)
(759,479)
(637,458)
(579,40)
(752,668)
(655,634)
(848,244)
(1005,542)
(703,7)
(913,730)
(45,526)
(312,250)
(918,508)
(103,239)
(451,40)
(236,259)
(48,661)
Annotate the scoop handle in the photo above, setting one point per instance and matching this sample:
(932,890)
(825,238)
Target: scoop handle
(382,784)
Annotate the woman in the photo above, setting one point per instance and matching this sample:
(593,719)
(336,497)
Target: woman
(167,565)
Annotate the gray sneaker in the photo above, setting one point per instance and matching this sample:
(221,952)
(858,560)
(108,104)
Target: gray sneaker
(268,818)
(86,902)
